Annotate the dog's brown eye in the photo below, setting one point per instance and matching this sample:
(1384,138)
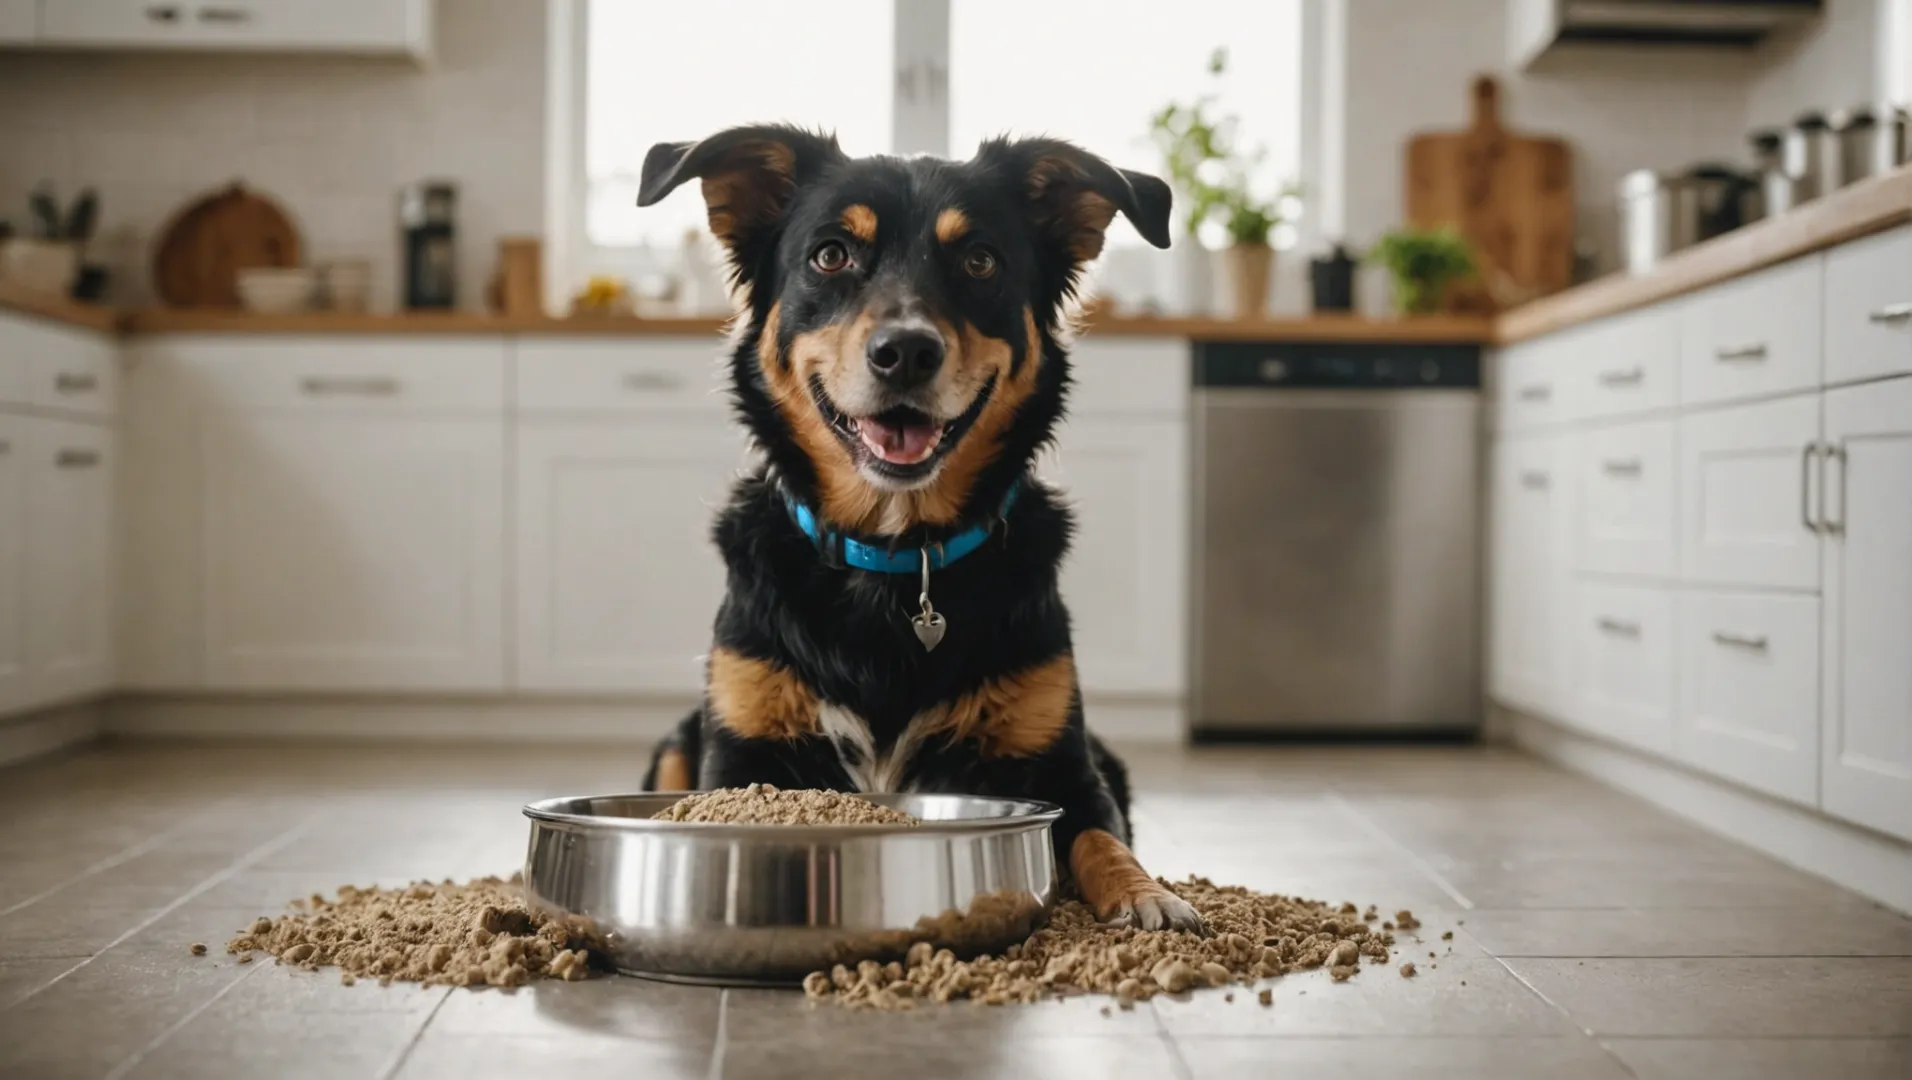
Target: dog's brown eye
(830,256)
(979,263)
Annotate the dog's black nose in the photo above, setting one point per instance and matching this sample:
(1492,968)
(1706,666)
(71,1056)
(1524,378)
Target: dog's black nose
(905,356)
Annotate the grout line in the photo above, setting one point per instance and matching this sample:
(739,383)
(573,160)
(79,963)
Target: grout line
(716,1070)
(122,856)
(140,1055)
(1617,1060)
(253,856)
(1183,1071)
(1369,826)
(405,1052)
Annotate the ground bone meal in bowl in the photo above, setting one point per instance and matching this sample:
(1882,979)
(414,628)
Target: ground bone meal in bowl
(763,804)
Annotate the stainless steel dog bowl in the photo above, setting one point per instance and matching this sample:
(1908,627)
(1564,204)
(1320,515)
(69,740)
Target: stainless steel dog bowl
(767,904)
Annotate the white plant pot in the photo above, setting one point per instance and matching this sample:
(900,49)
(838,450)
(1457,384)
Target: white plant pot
(1189,283)
(48,266)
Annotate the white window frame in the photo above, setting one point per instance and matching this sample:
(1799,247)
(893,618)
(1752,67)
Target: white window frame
(919,124)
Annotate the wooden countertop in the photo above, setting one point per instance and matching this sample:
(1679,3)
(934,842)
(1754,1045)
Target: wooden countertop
(57,308)
(1866,207)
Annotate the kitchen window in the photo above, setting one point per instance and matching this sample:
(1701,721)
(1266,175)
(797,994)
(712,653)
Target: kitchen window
(897,76)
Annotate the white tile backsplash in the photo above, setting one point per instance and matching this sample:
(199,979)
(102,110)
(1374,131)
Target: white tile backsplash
(329,139)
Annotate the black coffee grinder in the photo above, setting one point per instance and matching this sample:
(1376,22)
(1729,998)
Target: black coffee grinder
(426,215)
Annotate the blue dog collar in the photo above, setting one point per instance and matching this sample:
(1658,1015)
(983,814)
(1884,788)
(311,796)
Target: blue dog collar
(841,550)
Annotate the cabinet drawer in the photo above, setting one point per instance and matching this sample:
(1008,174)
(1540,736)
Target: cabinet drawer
(1746,486)
(1629,364)
(620,375)
(1628,523)
(1623,641)
(56,367)
(1754,337)
(1749,697)
(1532,380)
(1869,307)
(342,373)
(1133,375)
(246,25)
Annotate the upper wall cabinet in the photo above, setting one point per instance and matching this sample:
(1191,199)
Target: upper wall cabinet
(1538,27)
(19,21)
(368,27)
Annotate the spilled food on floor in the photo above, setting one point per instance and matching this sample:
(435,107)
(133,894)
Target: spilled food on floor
(482,933)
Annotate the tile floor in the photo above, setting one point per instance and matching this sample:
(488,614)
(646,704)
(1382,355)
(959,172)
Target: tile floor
(1593,936)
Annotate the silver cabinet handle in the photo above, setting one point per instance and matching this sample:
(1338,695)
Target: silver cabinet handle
(1753,351)
(229,15)
(1756,642)
(76,459)
(162,13)
(1806,456)
(1626,377)
(1536,392)
(1891,313)
(1828,524)
(68,383)
(1534,480)
(1622,627)
(365,386)
(1622,467)
(651,380)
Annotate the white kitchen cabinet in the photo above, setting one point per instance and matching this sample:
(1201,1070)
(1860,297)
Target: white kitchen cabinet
(618,580)
(1749,690)
(352,549)
(1624,664)
(1125,580)
(69,559)
(1628,516)
(1746,490)
(19,21)
(279,26)
(1629,364)
(1534,380)
(1758,336)
(1528,577)
(1866,685)
(1868,302)
(13,567)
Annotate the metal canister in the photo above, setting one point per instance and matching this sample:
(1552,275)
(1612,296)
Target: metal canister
(1812,157)
(1777,192)
(1661,213)
(1872,141)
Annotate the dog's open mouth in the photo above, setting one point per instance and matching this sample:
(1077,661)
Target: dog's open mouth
(901,443)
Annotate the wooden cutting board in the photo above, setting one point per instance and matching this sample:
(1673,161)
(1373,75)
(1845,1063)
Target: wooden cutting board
(1510,195)
(210,241)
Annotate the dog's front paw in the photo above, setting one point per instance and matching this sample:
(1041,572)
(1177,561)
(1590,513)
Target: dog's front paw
(1154,908)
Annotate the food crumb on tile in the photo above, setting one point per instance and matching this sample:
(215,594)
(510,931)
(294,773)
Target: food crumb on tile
(199,948)
(1267,997)
(1448,936)
(1407,970)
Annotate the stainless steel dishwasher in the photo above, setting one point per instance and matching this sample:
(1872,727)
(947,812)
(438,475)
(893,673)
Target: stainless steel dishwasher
(1337,497)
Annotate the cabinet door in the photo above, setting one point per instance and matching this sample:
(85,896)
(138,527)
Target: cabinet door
(1623,670)
(618,580)
(13,567)
(1869,307)
(69,558)
(1628,512)
(1527,604)
(18,21)
(1746,491)
(347,550)
(1126,578)
(1866,749)
(263,25)
(1749,690)
(1757,336)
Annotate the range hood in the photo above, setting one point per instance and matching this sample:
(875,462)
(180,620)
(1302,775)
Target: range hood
(1536,26)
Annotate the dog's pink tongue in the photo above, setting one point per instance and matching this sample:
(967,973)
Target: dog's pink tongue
(899,444)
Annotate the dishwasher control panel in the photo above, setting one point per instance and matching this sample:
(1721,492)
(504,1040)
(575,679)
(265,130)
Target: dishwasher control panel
(1337,366)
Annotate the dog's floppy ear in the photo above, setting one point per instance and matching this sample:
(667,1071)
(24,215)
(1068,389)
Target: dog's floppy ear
(1072,195)
(749,175)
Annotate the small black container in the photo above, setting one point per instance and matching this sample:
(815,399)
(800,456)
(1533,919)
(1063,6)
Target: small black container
(427,215)
(1332,277)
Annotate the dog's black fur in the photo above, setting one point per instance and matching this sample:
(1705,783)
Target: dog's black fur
(796,626)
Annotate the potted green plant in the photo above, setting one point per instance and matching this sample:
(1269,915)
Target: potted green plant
(1423,264)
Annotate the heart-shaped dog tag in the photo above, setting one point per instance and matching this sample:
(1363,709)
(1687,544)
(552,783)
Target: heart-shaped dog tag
(929,628)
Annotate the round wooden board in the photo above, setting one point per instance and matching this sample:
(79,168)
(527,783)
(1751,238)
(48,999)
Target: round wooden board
(208,243)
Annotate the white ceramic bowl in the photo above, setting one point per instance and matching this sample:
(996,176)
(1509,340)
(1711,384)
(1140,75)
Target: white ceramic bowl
(275,290)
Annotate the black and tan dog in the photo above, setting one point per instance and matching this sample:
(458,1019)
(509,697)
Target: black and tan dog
(893,620)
